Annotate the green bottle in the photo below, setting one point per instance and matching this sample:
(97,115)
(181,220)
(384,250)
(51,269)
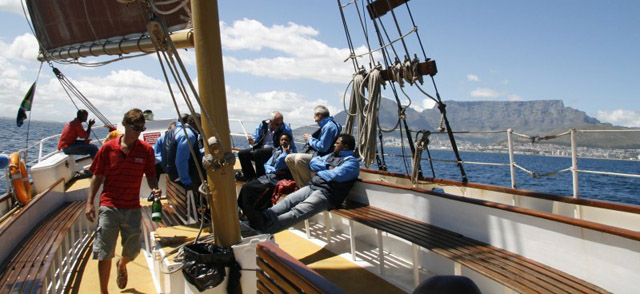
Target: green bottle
(156,210)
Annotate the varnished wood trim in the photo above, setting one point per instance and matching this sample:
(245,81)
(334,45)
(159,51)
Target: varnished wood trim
(553,197)
(23,210)
(629,234)
(279,265)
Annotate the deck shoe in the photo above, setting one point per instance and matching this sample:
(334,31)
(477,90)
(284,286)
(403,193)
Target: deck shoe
(122,276)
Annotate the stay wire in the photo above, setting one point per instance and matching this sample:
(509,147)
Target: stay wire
(354,61)
(417,34)
(365,32)
(184,128)
(395,20)
(67,84)
(388,61)
(175,103)
(205,112)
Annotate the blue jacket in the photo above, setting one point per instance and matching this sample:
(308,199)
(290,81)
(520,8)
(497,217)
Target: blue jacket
(348,170)
(335,183)
(275,168)
(159,149)
(261,131)
(323,139)
(183,154)
(276,161)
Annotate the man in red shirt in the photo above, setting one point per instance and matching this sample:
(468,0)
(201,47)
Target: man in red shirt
(74,139)
(120,164)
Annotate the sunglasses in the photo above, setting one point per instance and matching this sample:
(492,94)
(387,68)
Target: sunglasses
(138,128)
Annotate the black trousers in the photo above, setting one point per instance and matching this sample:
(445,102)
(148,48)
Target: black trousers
(259,156)
(255,196)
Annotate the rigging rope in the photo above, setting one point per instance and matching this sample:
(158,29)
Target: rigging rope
(367,129)
(356,103)
(68,86)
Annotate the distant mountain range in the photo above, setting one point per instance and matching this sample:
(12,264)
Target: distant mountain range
(533,118)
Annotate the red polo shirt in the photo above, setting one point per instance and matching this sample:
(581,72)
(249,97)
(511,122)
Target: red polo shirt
(71,131)
(123,173)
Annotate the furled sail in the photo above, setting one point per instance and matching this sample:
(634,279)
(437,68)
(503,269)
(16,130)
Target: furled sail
(69,23)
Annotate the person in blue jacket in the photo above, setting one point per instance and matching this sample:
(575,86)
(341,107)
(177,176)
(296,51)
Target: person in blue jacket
(256,194)
(263,142)
(335,175)
(161,152)
(317,144)
(180,165)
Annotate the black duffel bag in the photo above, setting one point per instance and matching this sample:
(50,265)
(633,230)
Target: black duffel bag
(204,264)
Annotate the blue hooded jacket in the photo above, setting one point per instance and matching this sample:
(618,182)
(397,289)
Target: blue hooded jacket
(323,139)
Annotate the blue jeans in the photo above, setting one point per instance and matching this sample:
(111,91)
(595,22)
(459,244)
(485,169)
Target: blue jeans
(296,207)
(81,149)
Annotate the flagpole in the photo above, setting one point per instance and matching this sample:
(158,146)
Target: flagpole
(32,90)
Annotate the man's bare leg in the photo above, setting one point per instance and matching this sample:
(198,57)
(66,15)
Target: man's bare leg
(104,269)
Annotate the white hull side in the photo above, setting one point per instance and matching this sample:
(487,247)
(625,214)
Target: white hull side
(607,260)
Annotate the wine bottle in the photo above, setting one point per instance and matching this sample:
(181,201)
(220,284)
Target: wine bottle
(156,210)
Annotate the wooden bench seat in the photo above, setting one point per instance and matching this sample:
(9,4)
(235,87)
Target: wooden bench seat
(514,271)
(169,217)
(280,273)
(31,267)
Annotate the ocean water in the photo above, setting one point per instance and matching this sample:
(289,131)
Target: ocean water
(591,186)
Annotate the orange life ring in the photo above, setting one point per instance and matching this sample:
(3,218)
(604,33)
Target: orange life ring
(20,179)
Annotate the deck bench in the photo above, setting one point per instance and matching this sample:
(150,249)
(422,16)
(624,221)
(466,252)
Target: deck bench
(514,271)
(169,219)
(45,259)
(280,273)
(183,206)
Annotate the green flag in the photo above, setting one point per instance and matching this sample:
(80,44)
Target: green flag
(26,105)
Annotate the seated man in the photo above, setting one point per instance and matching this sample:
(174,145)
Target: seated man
(264,140)
(74,139)
(336,174)
(317,144)
(256,194)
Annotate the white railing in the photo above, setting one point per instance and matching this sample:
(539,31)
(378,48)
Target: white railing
(574,155)
(68,255)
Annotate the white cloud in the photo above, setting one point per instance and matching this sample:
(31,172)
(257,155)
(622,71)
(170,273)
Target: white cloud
(24,47)
(254,107)
(620,117)
(514,97)
(485,93)
(473,78)
(288,52)
(297,54)
(425,104)
(11,6)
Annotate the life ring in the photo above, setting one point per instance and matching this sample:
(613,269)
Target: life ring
(20,179)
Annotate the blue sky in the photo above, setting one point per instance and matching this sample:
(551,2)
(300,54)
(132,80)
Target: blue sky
(288,55)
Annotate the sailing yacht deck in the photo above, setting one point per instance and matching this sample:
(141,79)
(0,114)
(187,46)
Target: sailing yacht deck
(337,269)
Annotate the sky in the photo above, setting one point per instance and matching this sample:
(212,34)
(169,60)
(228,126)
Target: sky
(290,56)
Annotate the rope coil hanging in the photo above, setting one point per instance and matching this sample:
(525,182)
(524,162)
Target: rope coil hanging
(368,128)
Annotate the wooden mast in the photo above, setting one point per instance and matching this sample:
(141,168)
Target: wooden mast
(206,29)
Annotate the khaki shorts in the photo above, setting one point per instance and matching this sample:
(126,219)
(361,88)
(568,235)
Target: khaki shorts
(110,222)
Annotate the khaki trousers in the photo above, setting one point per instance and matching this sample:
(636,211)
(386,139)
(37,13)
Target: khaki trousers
(298,164)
